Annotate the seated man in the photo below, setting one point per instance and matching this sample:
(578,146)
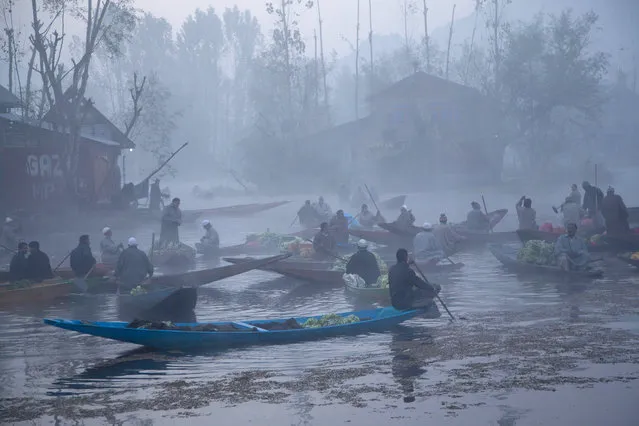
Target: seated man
(18,266)
(367,219)
(81,258)
(210,242)
(109,251)
(405,219)
(307,215)
(447,237)
(324,243)
(427,249)
(133,266)
(407,290)
(476,220)
(364,264)
(571,251)
(38,265)
(338,227)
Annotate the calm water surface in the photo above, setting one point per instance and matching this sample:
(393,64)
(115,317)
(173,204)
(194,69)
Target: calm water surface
(529,350)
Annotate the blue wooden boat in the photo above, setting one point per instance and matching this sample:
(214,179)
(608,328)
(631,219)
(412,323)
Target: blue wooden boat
(246,332)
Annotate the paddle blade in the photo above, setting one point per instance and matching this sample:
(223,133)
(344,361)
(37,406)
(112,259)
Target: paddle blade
(81,284)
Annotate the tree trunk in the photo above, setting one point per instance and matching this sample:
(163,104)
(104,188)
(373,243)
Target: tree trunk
(287,56)
(370,36)
(472,46)
(321,39)
(315,72)
(496,45)
(450,39)
(9,32)
(357,65)
(426,38)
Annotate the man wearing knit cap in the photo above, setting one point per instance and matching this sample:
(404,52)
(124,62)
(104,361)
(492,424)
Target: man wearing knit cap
(133,267)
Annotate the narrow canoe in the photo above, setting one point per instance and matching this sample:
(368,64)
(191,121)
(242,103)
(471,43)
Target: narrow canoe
(238,210)
(394,203)
(247,332)
(627,242)
(206,276)
(608,243)
(371,294)
(494,218)
(48,290)
(508,257)
(179,299)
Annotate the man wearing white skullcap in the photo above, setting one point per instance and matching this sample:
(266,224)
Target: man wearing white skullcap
(210,242)
(109,251)
(364,264)
(427,249)
(133,266)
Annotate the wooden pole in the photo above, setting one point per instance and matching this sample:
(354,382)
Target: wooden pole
(321,40)
(426,38)
(370,36)
(357,65)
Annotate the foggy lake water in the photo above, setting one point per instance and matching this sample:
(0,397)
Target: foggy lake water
(530,350)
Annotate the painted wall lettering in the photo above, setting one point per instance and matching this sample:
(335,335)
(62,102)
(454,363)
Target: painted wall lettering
(42,191)
(45,166)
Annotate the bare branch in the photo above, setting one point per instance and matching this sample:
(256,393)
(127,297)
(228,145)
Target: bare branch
(136,93)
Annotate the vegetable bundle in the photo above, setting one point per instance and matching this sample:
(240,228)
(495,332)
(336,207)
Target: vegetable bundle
(329,320)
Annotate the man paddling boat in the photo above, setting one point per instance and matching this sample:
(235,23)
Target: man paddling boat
(338,226)
(407,290)
(427,249)
(526,215)
(476,220)
(307,215)
(133,266)
(405,220)
(81,258)
(446,236)
(571,251)
(367,219)
(364,264)
(324,243)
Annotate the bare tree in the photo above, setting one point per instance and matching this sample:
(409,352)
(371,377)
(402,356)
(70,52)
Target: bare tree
(107,24)
(450,39)
(136,94)
(357,65)
(426,37)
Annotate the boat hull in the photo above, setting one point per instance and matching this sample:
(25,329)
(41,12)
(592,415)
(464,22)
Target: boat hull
(43,292)
(508,258)
(375,320)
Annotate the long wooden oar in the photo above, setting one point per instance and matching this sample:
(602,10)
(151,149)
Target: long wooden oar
(371,197)
(81,283)
(436,295)
(62,261)
(483,200)
(8,249)
(293,223)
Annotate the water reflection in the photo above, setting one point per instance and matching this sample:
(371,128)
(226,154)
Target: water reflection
(408,360)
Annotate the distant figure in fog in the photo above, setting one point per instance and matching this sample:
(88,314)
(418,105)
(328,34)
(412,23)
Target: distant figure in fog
(210,242)
(615,212)
(155,196)
(526,214)
(307,215)
(324,243)
(476,220)
(447,237)
(171,220)
(322,209)
(338,227)
(405,220)
(367,219)
(18,266)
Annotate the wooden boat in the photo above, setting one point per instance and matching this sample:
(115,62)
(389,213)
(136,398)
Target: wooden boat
(206,276)
(173,256)
(526,235)
(179,299)
(394,203)
(629,260)
(322,272)
(237,210)
(494,218)
(627,242)
(14,293)
(508,257)
(371,294)
(240,333)
(394,229)
(608,243)
(380,236)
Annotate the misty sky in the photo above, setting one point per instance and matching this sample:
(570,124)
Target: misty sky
(339,16)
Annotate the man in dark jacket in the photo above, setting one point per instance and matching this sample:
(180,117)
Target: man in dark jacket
(339,227)
(364,264)
(593,200)
(407,290)
(324,243)
(81,258)
(476,220)
(18,266)
(615,212)
(38,264)
(133,266)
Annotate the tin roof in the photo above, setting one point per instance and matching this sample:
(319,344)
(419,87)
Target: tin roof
(8,99)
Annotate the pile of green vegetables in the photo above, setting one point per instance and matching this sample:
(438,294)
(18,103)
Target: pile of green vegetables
(138,291)
(329,320)
(382,281)
(537,252)
(174,249)
(266,239)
